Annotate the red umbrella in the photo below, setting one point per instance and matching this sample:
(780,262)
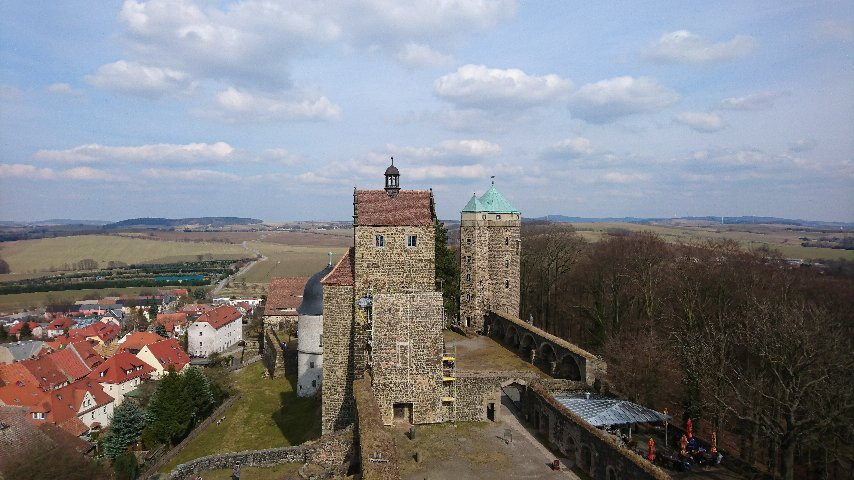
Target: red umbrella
(651,455)
(689,426)
(683,442)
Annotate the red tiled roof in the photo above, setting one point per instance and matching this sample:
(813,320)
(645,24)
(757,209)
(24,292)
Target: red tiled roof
(45,372)
(343,273)
(87,352)
(168,352)
(284,293)
(20,386)
(220,316)
(66,402)
(70,363)
(16,328)
(137,340)
(408,207)
(107,332)
(196,308)
(61,323)
(120,368)
(171,320)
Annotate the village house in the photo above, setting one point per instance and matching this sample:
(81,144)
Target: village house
(76,408)
(35,329)
(120,374)
(58,327)
(174,323)
(163,355)
(284,295)
(134,341)
(21,350)
(215,331)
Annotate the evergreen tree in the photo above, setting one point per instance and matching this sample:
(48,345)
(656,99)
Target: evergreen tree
(161,330)
(26,331)
(125,428)
(447,271)
(169,409)
(152,312)
(3,335)
(198,390)
(126,467)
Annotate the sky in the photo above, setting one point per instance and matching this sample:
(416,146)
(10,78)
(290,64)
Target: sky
(276,110)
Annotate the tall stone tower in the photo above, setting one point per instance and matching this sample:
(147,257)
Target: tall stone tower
(490,248)
(382,313)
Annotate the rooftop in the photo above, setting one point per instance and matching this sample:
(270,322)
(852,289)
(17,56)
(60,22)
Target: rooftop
(343,273)
(220,316)
(407,208)
(490,202)
(284,295)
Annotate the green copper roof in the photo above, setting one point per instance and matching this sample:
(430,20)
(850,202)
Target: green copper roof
(474,205)
(492,202)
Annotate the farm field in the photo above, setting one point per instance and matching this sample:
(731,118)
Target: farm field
(268,414)
(20,301)
(45,254)
(748,236)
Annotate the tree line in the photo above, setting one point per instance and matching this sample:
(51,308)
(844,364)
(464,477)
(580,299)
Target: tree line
(758,348)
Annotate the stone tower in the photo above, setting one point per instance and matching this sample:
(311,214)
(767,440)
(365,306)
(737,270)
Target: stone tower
(490,248)
(382,313)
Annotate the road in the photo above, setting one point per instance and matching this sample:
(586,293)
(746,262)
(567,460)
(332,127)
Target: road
(219,286)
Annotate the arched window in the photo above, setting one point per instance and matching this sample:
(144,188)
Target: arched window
(468,277)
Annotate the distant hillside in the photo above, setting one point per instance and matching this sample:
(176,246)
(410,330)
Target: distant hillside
(52,222)
(742,220)
(158,223)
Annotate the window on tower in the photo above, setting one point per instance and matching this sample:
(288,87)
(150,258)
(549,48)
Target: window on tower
(506,283)
(506,240)
(412,241)
(498,217)
(468,277)
(468,258)
(468,242)
(506,263)
(379,241)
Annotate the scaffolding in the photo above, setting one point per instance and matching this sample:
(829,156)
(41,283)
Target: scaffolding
(449,380)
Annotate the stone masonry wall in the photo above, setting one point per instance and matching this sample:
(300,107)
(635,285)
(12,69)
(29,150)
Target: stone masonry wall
(475,390)
(395,268)
(333,452)
(593,451)
(489,266)
(376,448)
(338,370)
(273,357)
(407,354)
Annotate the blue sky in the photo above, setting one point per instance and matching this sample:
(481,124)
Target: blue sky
(276,110)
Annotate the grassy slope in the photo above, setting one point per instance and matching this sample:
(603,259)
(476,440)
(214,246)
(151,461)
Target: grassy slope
(269,414)
(42,254)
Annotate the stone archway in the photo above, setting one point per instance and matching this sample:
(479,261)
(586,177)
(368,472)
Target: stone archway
(528,347)
(611,473)
(511,338)
(571,450)
(585,460)
(568,368)
(547,358)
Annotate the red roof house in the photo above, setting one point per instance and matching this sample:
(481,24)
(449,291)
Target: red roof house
(174,323)
(162,355)
(134,342)
(120,374)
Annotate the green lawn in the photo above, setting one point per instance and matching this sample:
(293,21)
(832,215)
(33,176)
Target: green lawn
(269,414)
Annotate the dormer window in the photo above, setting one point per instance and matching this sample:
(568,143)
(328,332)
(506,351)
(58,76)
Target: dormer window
(411,241)
(379,241)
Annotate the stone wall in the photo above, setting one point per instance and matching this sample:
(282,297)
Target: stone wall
(489,266)
(593,451)
(476,390)
(333,452)
(273,356)
(407,355)
(395,268)
(375,447)
(338,366)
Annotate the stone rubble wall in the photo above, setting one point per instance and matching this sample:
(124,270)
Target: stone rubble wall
(593,451)
(333,452)
(338,363)
(395,268)
(273,356)
(475,390)
(407,355)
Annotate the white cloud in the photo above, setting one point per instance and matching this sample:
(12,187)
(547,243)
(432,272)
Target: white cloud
(453,151)
(683,46)
(803,145)
(30,172)
(193,175)
(491,88)
(571,147)
(63,89)
(235,105)
(87,174)
(701,122)
(607,100)
(421,55)
(156,153)
(624,178)
(755,101)
(448,172)
(135,79)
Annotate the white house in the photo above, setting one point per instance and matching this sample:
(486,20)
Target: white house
(162,355)
(215,331)
(120,374)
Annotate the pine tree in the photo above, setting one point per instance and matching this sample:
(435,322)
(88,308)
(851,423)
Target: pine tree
(3,334)
(26,331)
(169,409)
(126,466)
(198,390)
(152,312)
(125,428)
(161,330)
(447,271)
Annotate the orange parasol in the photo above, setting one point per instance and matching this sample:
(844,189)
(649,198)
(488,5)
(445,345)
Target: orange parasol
(683,442)
(714,448)
(651,455)
(689,427)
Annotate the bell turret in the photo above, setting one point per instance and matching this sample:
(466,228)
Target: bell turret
(392,179)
